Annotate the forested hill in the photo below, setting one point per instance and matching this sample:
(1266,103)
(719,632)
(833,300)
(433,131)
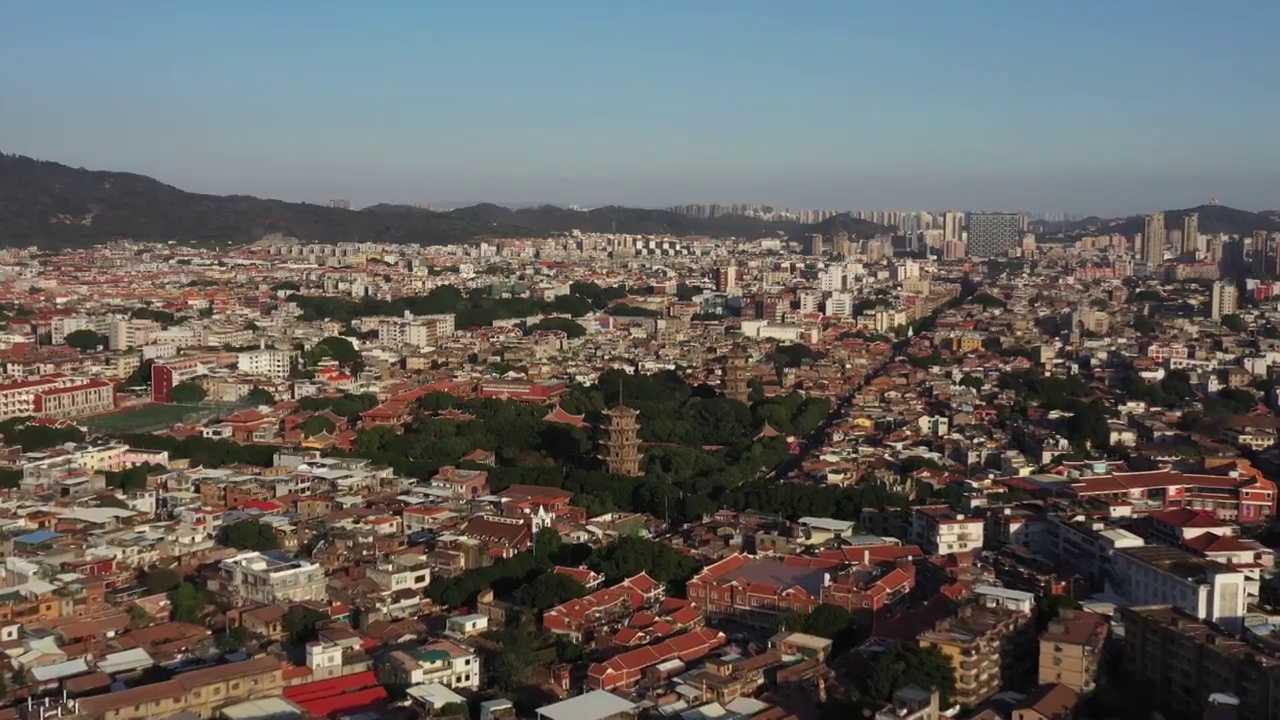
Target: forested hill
(46,204)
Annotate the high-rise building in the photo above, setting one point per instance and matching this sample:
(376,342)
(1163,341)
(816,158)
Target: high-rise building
(952,221)
(1191,235)
(340,204)
(910,227)
(832,278)
(993,235)
(815,244)
(904,270)
(840,244)
(622,441)
(1153,236)
(726,278)
(1266,255)
(1225,299)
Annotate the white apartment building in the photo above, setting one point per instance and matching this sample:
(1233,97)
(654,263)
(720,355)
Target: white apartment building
(881,320)
(904,270)
(939,530)
(179,337)
(1161,575)
(271,577)
(265,362)
(810,300)
(125,334)
(401,573)
(840,304)
(831,279)
(224,336)
(1225,299)
(64,326)
(416,330)
(444,662)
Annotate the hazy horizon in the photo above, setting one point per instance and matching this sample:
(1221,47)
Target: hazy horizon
(1091,108)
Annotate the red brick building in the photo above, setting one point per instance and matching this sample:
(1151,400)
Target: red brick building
(1243,495)
(757,590)
(583,618)
(626,670)
(164,375)
(502,537)
(536,392)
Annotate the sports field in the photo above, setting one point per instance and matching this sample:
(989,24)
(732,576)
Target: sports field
(143,419)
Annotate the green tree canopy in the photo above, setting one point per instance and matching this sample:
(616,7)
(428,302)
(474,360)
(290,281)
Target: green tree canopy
(302,622)
(828,621)
(250,535)
(904,664)
(1233,322)
(260,396)
(85,340)
(335,348)
(317,425)
(549,590)
(625,310)
(134,478)
(187,393)
(162,580)
(347,405)
(569,327)
(188,603)
(32,438)
(163,317)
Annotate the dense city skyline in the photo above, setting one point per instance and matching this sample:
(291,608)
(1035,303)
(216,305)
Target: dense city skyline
(655,106)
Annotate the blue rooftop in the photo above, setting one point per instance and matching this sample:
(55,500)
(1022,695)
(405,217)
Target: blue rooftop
(38,537)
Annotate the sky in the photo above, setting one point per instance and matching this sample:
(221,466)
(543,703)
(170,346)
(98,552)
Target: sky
(1088,106)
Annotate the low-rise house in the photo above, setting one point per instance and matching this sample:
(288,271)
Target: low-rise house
(444,662)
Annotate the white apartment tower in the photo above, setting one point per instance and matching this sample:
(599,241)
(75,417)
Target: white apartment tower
(1153,237)
(1225,300)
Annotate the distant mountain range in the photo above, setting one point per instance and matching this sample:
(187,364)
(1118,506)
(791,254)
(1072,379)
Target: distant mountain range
(47,204)
(1213,219)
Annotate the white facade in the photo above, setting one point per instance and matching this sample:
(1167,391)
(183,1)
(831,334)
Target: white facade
(265,362)
(1225,300)
(831,279)
(1168,576)
(273,577)
(393,576)
(64,326)
(938,530)
(179,337)
(125,334)
(447,663)
(840,304)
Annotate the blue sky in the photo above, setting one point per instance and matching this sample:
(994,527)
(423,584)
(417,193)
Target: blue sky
(1104,106)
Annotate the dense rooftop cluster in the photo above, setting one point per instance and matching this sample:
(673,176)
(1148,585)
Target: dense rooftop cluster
(603,476)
